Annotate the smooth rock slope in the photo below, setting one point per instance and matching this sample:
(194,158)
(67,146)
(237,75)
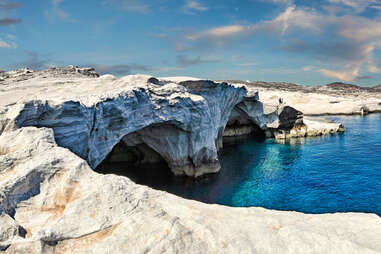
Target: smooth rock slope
(57,204)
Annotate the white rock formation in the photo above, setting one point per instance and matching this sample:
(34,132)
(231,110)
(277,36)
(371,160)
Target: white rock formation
(54,128)
(10,231)
(321,100)
(92,123)
(65,207)
(184,122)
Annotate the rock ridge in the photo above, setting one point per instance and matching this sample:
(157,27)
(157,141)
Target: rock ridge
(70,208)
(187,118)
(54,129)
(91,131)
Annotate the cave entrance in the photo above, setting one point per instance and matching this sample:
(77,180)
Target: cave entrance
(134,158)
(240,127)
(144,157)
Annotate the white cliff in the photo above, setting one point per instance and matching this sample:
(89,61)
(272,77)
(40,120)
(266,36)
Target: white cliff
(56,127)
(62,206)
(184,122)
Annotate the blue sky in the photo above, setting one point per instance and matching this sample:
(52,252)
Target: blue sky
(302,41)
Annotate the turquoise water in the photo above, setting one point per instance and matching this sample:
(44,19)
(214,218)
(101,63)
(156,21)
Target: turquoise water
(338,173)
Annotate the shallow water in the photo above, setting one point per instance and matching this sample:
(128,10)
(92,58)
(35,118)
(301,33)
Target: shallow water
(338,173)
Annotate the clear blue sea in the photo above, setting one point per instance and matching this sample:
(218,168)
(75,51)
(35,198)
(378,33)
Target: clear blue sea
(338,173)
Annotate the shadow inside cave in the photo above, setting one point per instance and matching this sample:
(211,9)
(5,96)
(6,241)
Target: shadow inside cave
(146,164)
(209,188)
(139,162)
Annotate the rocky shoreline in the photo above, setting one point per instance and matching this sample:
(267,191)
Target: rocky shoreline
(331,99)
(90,115)
(57,125)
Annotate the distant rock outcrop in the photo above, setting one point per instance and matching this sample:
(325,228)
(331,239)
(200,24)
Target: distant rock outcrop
(341,85)
(10,77)
(333,99)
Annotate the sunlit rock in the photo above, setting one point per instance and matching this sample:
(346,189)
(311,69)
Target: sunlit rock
(56,127)
(71,208)
(184,123)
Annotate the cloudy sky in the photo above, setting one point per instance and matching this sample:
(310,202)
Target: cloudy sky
(303,41)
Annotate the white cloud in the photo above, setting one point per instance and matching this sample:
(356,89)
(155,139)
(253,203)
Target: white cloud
(344,43)
(352,70)
(291,17)
(342,75)
(309,68)
(57,11)
(358,5)
(377,7)
(284,17)
(359,28)
(10,43)
(372,67)
(192,6)
(4,44)
(11,37)
(220,32)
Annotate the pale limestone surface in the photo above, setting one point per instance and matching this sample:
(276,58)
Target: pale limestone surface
(51,201)
(65,207)
(9,231)
(312,127)
(90,114)
(317,103)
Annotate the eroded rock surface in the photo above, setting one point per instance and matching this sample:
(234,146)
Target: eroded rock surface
(91,123)
(10,231)
(331,99)
(183,122)
(54,128)
(71,209)
(10,77)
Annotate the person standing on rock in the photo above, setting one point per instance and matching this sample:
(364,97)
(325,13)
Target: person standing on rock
(280,103)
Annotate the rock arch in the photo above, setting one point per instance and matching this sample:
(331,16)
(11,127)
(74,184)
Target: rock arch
(162,143)
(247,118)
(240,124)
(154,144)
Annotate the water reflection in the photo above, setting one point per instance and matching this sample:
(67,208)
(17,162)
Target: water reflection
(270,168)
(335,173)
(241,161)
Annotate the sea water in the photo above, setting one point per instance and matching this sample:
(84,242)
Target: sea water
(334,173)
